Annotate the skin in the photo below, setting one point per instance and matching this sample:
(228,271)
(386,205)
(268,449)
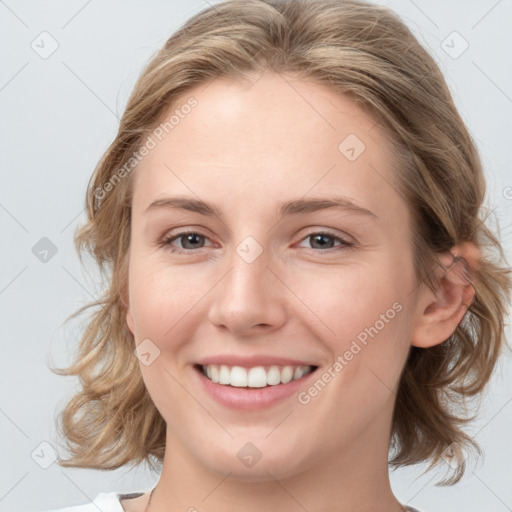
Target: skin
(274,139)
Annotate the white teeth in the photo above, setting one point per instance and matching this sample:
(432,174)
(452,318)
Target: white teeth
(256,377)
(214,373)
(286,374)
(273,376)
(238,377)
(224,375)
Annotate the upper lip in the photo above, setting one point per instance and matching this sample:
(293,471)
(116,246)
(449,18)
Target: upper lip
(251,361)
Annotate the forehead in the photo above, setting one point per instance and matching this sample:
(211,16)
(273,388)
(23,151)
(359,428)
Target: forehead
(275,137)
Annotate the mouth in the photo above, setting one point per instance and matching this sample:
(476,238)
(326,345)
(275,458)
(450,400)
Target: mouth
(254,377)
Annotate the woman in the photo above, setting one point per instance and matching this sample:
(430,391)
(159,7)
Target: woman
(340,300)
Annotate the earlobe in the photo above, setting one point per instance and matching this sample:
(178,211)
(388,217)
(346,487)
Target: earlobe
(440,312)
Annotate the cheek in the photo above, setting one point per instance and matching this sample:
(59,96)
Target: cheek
(162,298)
(349,300)
(364,327)
(361,317)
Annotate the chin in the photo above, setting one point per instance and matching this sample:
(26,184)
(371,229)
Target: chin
(255,462)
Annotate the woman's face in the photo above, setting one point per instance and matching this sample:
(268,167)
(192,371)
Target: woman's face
(271,279)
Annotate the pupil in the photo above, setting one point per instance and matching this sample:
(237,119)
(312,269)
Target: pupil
(317,238)
(190,238)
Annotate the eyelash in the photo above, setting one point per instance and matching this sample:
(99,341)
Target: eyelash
(167,240)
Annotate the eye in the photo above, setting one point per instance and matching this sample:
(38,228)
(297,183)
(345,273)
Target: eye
(189,239)
(324,241)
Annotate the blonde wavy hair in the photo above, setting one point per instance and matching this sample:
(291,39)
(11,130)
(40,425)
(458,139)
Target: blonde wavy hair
(360,50)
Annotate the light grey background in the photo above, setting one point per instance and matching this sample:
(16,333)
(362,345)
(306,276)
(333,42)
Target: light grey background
(59,114)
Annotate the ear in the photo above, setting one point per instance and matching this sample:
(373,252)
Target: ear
(439,313)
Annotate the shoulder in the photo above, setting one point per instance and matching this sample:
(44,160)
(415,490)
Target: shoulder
(104,501)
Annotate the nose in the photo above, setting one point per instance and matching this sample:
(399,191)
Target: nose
(250,298)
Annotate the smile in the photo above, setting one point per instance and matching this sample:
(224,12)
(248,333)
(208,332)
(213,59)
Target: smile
(255,377)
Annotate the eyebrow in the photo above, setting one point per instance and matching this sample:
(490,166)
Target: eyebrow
(287,208)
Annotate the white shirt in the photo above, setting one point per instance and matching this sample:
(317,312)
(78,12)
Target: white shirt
(110,502)
(104,502)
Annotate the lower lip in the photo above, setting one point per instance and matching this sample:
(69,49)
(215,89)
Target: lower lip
(250,398)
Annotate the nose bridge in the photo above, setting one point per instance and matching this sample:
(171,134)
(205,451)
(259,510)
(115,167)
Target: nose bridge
(249,294)
(249,272)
